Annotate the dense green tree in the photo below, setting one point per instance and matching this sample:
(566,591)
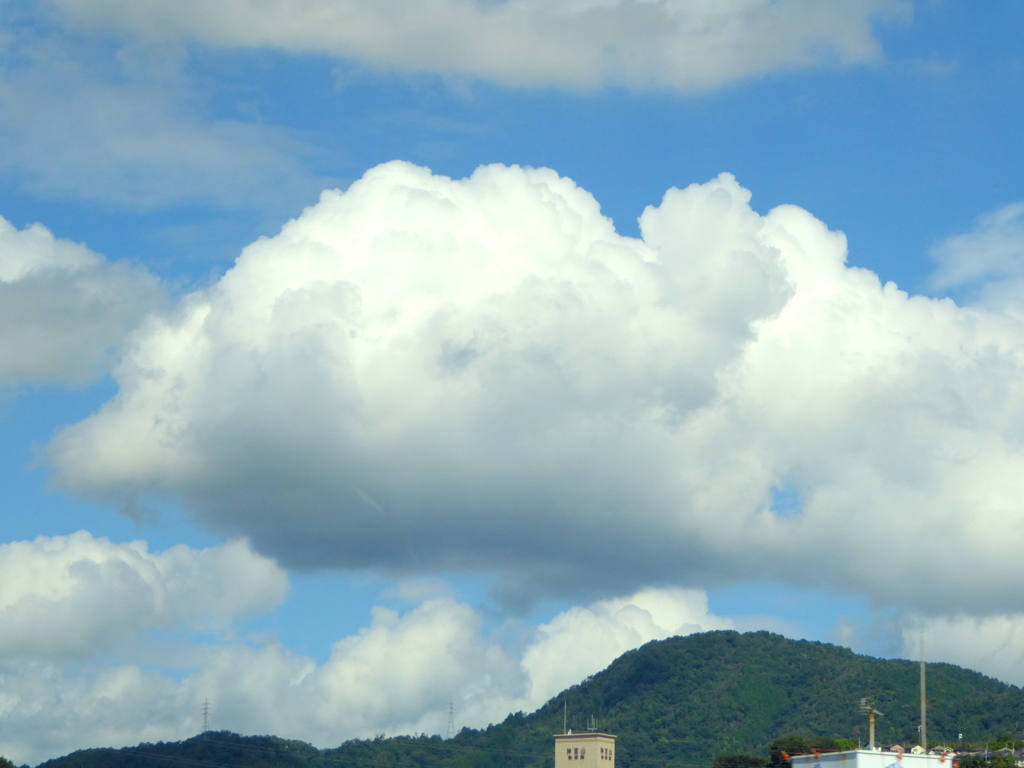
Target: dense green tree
(739,761)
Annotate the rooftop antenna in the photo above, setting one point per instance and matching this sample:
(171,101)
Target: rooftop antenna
(206,715)
(872,712)
(591,724)
(565,716)
(924,719)
(451,720)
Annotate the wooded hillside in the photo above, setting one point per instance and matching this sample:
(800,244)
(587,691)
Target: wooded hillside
(675,703)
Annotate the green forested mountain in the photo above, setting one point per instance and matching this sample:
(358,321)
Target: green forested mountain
(675,703)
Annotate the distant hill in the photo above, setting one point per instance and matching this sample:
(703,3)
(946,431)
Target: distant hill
(674,703)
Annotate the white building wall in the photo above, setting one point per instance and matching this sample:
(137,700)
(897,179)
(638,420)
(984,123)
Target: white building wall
(862,758)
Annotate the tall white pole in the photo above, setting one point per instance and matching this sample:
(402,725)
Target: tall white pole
(924,719)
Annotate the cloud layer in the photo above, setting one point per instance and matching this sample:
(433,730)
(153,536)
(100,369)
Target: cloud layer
(423,375)
(397,676)
(993,645)
(86,600)
(63,309)
(581,44)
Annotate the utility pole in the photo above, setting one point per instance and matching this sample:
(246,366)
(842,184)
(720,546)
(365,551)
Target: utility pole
(871,712)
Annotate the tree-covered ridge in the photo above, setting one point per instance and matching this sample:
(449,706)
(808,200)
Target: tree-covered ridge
(675,703)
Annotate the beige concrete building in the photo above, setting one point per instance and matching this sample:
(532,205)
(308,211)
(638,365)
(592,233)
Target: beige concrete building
(584,750)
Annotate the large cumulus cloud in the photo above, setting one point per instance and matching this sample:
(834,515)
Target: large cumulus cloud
(422,374)
(676,44)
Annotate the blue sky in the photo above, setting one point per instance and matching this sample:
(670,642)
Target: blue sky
(486,419)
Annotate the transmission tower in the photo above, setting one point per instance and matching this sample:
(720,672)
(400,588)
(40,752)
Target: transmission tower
(451,720)
(206,715)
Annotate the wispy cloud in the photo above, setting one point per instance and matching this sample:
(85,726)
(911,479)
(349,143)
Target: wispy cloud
(124,126)
(580,44)
(988,261)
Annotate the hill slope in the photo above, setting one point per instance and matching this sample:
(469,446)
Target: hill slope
(675,702)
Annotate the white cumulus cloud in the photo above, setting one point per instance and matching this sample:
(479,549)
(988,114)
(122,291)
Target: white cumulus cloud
(422,375)
(397,675)
(584,640)
(64,310)
(685,45)
(410,375)
(71,597)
